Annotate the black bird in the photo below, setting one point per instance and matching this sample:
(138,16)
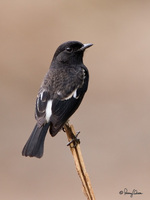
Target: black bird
(60,94)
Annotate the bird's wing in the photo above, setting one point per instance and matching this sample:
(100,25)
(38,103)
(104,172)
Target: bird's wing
(69,98)
(59,100)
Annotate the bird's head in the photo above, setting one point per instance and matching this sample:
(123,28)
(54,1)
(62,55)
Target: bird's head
(70,52)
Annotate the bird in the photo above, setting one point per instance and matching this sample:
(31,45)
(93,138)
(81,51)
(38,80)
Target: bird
(60,94)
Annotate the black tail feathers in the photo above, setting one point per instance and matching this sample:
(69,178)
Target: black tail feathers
(35,144)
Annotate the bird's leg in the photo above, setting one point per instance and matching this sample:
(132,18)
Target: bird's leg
(75,140)
(72,135)
(67,123)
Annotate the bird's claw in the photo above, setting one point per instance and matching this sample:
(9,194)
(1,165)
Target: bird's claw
(75,141)
(63,129)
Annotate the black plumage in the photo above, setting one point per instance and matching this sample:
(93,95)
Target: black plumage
(60,94)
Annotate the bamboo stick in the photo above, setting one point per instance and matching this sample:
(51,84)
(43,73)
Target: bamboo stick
(79,162)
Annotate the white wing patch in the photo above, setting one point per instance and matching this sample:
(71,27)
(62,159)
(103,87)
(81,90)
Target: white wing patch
(48,110)
(74,94)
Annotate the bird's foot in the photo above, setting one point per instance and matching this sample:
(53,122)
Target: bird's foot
(75,141)
(67,123)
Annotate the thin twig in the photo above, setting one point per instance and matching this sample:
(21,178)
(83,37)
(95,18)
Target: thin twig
(79,163)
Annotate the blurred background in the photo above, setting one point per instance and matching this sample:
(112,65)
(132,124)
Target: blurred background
(114,117)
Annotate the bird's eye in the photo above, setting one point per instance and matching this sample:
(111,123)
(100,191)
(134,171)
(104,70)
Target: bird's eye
(69,49)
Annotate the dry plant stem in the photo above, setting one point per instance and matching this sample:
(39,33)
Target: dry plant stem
(79,163)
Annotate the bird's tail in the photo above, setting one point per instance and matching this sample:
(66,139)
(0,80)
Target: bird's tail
(35,144)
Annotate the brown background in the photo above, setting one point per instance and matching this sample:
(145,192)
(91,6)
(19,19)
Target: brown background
(114,118)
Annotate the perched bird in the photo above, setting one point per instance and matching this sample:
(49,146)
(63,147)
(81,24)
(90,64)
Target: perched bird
(60,94)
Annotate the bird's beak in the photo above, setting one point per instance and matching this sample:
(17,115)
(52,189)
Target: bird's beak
(85,46)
